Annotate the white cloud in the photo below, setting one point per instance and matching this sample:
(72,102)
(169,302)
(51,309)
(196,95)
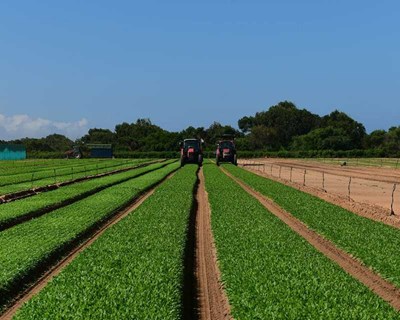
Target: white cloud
(21,126)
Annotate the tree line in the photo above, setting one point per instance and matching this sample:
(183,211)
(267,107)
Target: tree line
(282,127)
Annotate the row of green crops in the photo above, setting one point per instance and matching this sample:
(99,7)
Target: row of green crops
(68,172)
(31,244)
(133,271)
(31,165)
(22,186)
(6,168)
(373,243)
(270,272)
(13,211)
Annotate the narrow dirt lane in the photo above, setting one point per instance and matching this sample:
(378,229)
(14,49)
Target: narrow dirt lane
(381,287)
(213,303)
(54,270)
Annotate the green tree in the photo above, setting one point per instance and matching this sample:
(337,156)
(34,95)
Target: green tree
(96,135)
(285,119)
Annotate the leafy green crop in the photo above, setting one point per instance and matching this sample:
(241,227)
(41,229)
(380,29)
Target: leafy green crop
(13,210)
(270,272)
(24,181)
(133,271)
(25,246)
(374,243)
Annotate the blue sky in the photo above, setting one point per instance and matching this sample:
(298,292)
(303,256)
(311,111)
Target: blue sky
(66,66)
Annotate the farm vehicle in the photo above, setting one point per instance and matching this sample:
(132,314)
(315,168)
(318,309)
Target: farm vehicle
(226,151)
(75,152)
(191,151)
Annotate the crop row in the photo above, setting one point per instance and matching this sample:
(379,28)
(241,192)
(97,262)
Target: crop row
(15,211)
(68,172)
(26,247)
(17,167)
(133,271)
(27,185)
(373,243)
(270,272)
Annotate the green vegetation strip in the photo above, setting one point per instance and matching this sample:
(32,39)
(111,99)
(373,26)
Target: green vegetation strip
(28,246)
(375,244)
(59,174)
(12,212)
(133,271)
(18,167)
(270,272)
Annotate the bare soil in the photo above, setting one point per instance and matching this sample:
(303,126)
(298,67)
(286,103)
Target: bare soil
(368,196)
(38,283)
(377,284)
(213,303)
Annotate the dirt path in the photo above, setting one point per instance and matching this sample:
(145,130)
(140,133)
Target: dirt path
(378,285)
(367,210)
(54,270)
(213,303)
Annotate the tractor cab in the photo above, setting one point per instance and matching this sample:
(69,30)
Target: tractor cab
(226,151)
(191,151)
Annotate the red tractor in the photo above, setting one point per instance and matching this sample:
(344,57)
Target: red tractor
(226,151)
(191,151)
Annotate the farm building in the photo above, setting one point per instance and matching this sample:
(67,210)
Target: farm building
(12,152)
(100,150)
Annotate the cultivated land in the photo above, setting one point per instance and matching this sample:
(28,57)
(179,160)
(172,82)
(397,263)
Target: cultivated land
(370,185)
(151,240)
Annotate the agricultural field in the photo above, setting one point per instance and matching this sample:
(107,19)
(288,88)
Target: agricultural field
(365,184)
(154,240)
(368,162)
(15,177)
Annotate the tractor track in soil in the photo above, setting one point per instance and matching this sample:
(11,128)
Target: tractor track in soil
(374,282)
(55,263)
(213,302)
(40,212)
(34,191)
(203,295)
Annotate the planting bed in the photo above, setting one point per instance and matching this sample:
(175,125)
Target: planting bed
(373,243)
(24,209)
(26,249)
(134,271)
(19,182)
(271,272)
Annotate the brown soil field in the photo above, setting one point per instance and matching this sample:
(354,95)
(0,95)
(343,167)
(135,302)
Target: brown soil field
(368,197)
